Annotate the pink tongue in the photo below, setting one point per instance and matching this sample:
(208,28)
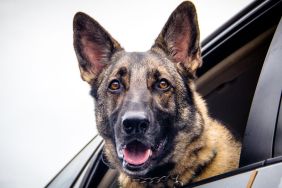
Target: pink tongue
(136,154)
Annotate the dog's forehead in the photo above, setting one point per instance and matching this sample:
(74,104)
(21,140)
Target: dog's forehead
(145,62)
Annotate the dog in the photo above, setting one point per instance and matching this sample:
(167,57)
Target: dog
(156,127)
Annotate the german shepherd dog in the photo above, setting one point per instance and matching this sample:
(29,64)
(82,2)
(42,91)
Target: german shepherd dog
(156,127)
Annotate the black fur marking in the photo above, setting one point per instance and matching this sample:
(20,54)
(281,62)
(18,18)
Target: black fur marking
(93,91)
(199,169)
(188,92)
(106,161)
(122,71)
(157,74)
(166,121)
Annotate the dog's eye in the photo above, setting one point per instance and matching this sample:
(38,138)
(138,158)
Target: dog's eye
(114,85)
(163,84)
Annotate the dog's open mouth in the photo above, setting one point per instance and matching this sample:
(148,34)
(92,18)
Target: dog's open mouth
(136,153)
(138,156)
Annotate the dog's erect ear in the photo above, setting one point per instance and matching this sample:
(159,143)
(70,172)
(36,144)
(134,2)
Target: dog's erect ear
(93,45)
(179,38)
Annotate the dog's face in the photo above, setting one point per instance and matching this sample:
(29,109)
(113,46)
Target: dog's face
(143,101)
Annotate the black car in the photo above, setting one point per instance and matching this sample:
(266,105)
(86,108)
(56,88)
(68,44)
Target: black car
(241,81)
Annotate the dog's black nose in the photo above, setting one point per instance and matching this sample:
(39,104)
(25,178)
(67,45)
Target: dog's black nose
(135,122)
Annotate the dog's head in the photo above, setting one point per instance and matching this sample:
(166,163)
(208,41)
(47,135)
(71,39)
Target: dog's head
(142,100)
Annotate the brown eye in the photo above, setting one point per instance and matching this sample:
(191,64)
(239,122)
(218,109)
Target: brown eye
(114,85)
(163,84)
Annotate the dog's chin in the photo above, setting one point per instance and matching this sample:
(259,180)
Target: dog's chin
(138,158)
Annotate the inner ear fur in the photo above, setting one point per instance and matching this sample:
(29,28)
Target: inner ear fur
(93,45)
(180,38)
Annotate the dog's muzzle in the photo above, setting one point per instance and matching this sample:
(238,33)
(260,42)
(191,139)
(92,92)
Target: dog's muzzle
(136,123)
(139,141)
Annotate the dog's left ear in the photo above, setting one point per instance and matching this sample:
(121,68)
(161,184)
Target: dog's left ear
(179,38)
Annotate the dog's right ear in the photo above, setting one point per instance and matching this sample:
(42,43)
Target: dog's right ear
(93,45)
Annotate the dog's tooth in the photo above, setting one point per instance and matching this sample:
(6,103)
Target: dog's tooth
(151,153)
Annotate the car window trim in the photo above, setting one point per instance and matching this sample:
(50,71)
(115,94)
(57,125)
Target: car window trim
(71,172)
